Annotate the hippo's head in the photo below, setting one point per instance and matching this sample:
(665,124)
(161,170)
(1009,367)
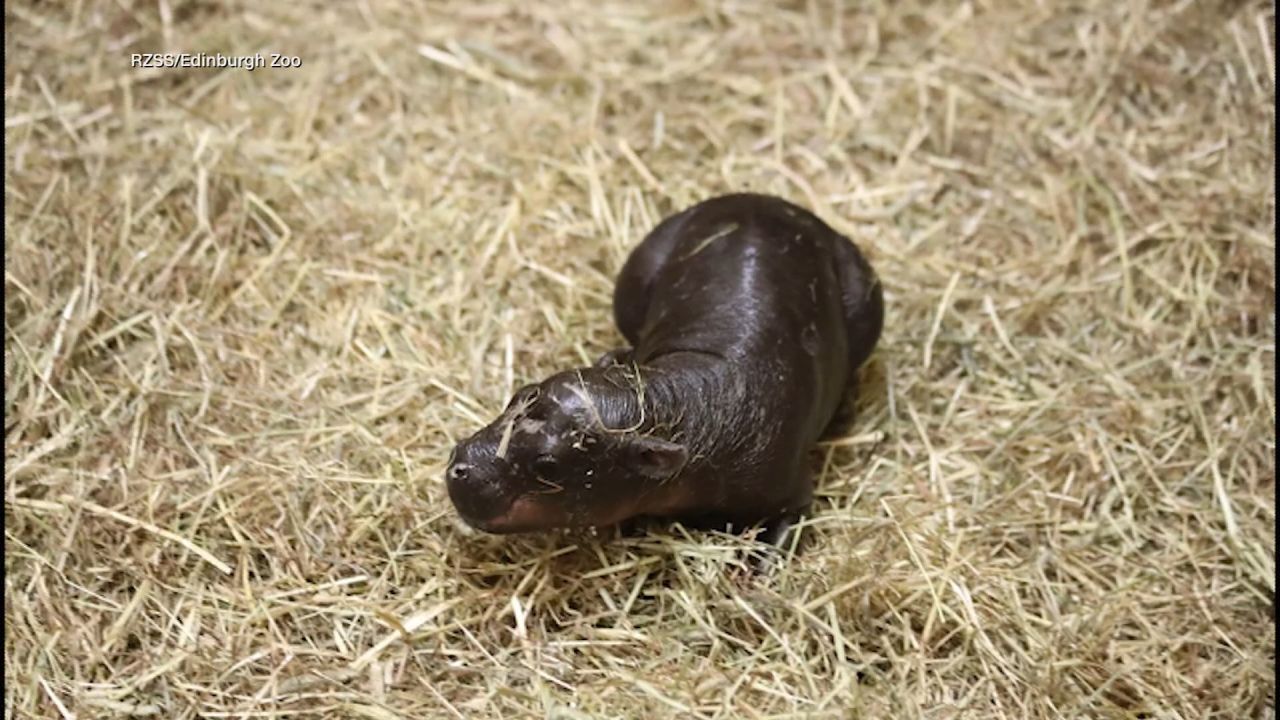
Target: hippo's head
(561,456)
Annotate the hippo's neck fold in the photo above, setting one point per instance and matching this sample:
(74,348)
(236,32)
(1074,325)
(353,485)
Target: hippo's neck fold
(671,397)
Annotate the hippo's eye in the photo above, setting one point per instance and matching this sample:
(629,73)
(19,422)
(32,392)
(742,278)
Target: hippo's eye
(525,396)
(544,465)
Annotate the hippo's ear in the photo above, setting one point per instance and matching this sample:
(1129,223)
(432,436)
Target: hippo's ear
(653,457)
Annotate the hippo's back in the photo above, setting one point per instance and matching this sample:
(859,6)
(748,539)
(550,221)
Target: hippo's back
(753,279)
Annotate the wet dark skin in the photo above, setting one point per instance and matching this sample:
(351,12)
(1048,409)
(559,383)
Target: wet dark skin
(747,317)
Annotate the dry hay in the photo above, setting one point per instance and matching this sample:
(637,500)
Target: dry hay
(248,312)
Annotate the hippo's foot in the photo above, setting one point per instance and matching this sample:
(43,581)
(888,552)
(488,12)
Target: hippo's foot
(780,539)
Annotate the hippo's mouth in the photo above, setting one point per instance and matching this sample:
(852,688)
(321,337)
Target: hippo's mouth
(525,514)
(540,512)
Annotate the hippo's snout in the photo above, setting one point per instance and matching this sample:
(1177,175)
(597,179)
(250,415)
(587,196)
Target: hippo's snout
(476,487)
(490,498)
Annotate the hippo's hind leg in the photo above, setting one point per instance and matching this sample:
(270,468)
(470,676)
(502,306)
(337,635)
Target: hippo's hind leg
(632,293)
(863,301)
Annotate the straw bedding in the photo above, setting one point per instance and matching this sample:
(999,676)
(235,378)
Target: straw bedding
(247,313)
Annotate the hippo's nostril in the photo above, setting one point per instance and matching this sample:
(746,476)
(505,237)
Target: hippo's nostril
(458,471)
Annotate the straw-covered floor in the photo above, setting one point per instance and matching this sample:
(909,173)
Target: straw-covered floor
(247,314)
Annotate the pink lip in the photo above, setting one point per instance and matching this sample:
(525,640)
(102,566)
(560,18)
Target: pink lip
(535,513)
(525,515)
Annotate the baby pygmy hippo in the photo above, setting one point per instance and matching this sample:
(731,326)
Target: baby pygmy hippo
(747,317)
